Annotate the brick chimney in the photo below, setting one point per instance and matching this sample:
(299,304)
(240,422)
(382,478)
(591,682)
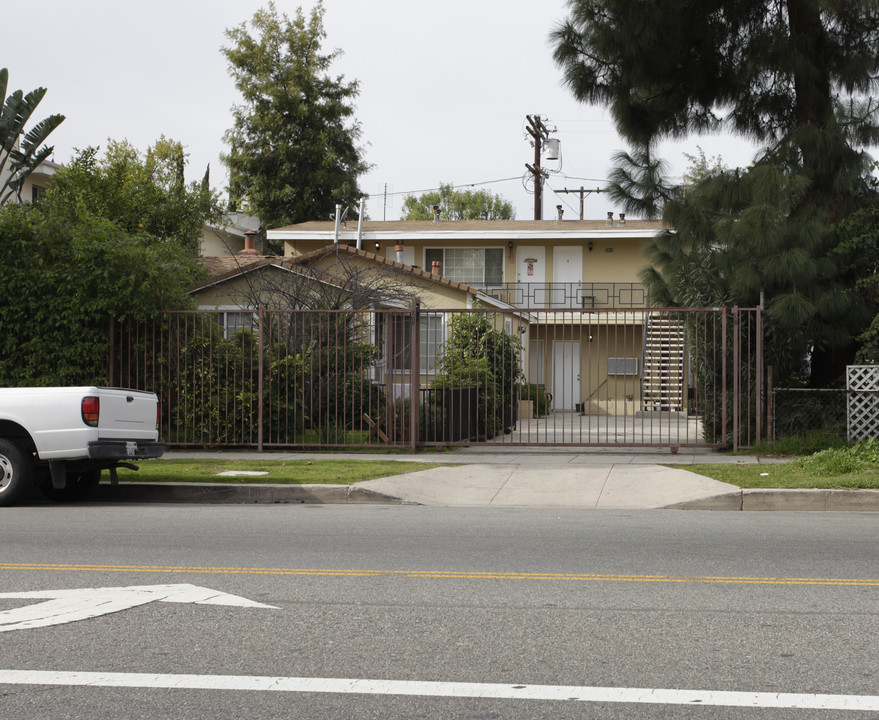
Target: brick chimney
(249,244)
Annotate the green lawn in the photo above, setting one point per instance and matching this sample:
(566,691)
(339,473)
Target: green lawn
(281,472)
(784,475)
(816,460)
(855,466)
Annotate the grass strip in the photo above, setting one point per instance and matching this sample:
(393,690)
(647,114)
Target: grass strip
(279,472)
(785,475)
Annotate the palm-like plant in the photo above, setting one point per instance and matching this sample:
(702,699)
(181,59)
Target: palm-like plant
(20,152)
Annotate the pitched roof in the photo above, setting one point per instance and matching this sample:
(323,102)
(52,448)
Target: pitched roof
(226,267)
(222,264)
(341,248)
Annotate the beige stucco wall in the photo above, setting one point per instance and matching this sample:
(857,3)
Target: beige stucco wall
(215,242)
(612,259)
(602,393)
(235,292)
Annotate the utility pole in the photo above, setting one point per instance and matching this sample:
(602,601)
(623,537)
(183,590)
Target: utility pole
(537,130)
(582,192)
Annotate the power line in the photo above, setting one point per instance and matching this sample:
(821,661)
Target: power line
(582,192)
(454,187)
(573,177)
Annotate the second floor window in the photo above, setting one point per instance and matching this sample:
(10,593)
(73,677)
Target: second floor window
(471,266)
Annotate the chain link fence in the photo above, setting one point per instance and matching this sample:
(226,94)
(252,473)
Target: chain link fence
(800,411)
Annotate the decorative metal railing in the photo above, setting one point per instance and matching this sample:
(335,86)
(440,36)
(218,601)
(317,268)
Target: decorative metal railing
(573,295)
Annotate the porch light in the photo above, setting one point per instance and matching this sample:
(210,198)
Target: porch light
(590,246)
(377,247)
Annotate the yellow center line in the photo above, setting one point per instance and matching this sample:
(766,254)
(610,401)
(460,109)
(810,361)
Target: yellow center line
(446,574)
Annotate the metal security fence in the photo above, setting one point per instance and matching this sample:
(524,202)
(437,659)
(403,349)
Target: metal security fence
(417,377)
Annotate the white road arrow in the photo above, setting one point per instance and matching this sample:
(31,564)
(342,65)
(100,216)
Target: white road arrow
(64,606)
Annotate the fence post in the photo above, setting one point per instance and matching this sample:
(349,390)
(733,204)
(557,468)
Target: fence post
(111,375)
(415,376)
(723,373)
(759,376)
(260,329)
(737,372)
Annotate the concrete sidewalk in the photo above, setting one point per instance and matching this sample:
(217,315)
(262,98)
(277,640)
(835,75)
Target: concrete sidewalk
(596,479)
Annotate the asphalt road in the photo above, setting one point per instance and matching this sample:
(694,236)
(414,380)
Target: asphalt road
(416,612)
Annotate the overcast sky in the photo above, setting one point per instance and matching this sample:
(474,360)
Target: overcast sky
(444,90)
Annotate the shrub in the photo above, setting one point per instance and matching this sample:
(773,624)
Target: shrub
(477,354)
(538,396)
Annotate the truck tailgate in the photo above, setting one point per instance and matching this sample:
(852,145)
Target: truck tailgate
(127,414)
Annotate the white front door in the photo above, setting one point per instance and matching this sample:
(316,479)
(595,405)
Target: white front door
(565,374)
(531,277)
(567,274)
(530,263)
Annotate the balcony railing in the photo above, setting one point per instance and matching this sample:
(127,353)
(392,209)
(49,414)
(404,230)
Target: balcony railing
(570,295)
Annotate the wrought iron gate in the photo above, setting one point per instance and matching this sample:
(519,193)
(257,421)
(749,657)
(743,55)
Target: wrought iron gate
(417,377)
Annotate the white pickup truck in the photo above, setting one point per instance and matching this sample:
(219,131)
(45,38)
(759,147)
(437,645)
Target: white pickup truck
(61,438)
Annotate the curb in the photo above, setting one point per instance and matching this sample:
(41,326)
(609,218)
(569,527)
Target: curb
(787,500)
(223,493)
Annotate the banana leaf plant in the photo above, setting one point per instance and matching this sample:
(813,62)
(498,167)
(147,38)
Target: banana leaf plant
(21,152)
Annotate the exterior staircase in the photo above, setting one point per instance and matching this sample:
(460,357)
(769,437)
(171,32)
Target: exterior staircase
(663,374)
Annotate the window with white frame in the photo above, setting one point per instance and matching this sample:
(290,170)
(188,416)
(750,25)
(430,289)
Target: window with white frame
(235,319)
(472,266)
(431,336)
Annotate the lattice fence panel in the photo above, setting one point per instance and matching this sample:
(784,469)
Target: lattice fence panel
(862,382)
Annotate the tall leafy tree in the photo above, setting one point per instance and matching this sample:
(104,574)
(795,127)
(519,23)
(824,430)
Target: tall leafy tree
(137,191)
(293,146)
(458,205)
(796,76)
(21,151)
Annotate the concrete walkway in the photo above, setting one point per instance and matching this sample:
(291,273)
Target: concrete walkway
(597,479)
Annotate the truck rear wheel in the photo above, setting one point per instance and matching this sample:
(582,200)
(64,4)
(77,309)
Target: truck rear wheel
(15,472)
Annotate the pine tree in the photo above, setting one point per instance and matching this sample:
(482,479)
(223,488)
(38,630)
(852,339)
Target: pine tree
(797,77)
